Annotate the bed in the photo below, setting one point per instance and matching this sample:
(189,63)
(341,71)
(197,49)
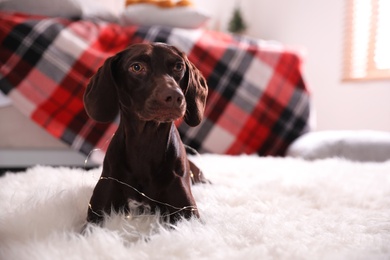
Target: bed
(258,101)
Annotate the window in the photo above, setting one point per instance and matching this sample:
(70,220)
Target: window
(367,43)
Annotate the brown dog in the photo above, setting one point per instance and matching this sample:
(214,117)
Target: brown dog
(152,85)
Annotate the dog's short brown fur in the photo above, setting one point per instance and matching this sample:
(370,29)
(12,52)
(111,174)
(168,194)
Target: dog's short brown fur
(151,85)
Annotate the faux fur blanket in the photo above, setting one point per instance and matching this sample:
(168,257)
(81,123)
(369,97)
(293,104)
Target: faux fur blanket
(256,208)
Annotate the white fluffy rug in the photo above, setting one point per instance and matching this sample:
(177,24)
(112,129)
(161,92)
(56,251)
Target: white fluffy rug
(257,208)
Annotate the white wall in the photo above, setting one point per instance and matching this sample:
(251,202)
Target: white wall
(318,26)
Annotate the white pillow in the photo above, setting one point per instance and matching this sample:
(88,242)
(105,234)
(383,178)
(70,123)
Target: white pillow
(108,10)
(57,8)
(359,145)
(147,15)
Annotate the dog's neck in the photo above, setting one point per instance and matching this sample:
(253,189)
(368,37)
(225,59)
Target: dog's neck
(136,130)
(143,138)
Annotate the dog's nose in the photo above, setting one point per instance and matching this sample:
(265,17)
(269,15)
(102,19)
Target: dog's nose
(172,97)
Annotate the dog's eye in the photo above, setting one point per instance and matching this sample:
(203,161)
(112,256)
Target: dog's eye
(178,66)
(137,68)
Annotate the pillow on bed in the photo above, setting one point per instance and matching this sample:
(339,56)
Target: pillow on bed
(108,10)
(147,15)
(58,8)
(363,145)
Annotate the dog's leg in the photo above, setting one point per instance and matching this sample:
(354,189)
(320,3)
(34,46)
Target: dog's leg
(107,197)
(197,175)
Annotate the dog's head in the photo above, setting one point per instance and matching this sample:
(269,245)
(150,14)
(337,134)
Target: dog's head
(154,82)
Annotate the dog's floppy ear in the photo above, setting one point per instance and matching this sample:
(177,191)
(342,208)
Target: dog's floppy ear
(195,90)
(100,97)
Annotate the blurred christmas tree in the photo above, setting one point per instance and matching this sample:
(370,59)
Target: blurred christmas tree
(237,23)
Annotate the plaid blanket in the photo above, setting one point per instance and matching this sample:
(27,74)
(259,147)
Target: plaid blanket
(257,102)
